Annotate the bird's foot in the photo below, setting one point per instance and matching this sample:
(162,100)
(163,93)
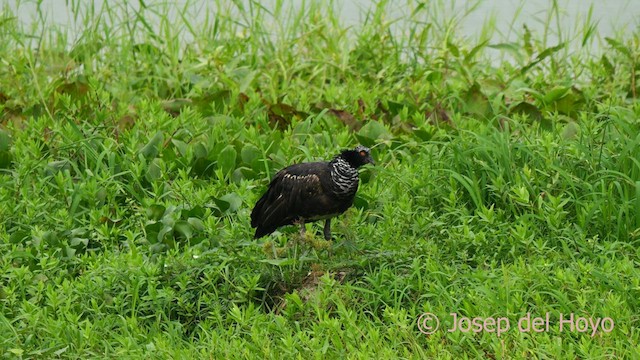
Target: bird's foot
(329,248)
(272,251)
(305,237)
(321,244)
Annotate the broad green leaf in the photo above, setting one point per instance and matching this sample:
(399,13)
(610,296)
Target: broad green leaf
(16,351)
(181,146)
(606,64)
(469,57)
(221,206)
(152,149)
(196,224)
(513,48)
(57,166)
(227,159)
(637,204)
(154,170)
(555,94)
(85,50)
(433,76)
(243,173)
(162,234)
(246,81)
(360,202)
(543,55)
(226,204)
(79,242)
(202,167)
(183,229)
(200,151)
(422,134)
(525,108)
(19,236)
(234,200)
(396,108)
(5,159)
(279,262)
(152,231)
(157,248)
(155,212)
(196,240)
(69,252)
(50,238)
(528,46)
(5,141)
(475,102)
(571,130)
(371,131)
(197,212)
(570,103)
(453,49)
(619,47)
(249,154)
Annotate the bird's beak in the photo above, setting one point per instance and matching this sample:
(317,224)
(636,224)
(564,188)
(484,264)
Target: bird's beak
(369,160)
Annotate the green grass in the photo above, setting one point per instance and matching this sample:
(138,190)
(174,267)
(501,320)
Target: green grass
(130,159)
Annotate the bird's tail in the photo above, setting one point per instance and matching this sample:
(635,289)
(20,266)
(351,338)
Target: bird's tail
(257,220)
(262,231)
(256,213)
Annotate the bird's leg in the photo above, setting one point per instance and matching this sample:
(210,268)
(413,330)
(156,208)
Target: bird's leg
(303,229)
(327,229)
(327,236)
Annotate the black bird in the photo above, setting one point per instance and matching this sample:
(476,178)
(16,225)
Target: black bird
(309,192)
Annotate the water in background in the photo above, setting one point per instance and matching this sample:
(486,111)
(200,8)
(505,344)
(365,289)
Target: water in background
(613,17)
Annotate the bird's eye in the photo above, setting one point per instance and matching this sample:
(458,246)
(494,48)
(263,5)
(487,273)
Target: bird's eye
(363,153)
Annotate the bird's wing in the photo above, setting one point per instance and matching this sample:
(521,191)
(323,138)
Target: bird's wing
(289,190)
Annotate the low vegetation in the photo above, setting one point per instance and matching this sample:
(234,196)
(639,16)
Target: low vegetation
(134,144)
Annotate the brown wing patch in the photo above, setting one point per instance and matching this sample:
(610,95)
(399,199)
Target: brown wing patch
(302,186)
(281,203)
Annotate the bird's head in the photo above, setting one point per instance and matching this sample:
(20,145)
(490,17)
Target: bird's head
(357,157)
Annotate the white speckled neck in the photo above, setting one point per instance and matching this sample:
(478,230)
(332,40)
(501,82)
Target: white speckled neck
(344,176)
